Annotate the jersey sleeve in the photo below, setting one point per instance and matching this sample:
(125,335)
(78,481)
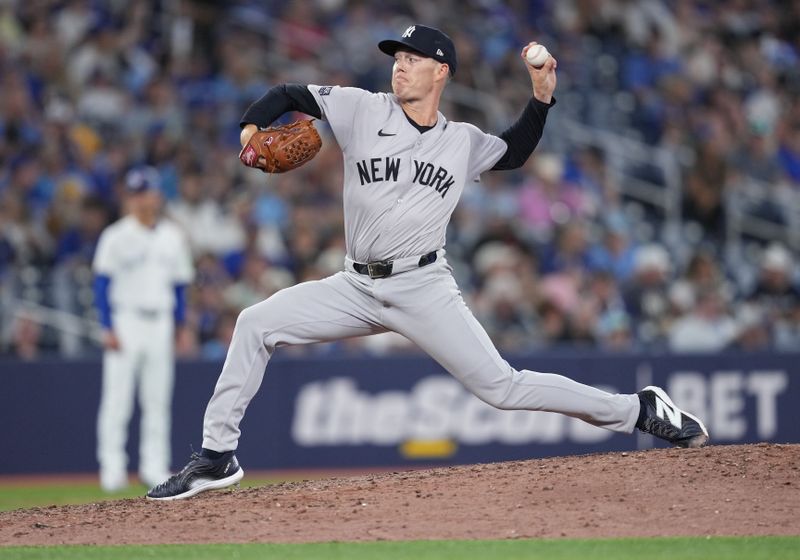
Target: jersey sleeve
(103,261)
(339,106)
(484,151)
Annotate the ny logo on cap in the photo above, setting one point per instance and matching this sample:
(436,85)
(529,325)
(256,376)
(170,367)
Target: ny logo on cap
(409,31)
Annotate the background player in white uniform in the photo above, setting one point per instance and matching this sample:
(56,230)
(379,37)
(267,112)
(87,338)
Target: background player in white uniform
(142,266)
(405,166)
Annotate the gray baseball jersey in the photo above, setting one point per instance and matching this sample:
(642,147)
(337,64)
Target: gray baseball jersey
(400,186)
(400,189)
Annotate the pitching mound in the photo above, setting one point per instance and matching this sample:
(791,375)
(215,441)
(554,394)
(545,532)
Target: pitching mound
(718,490)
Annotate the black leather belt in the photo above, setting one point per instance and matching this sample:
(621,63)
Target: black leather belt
(383,269)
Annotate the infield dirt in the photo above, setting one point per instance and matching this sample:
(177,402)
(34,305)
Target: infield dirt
(717,490)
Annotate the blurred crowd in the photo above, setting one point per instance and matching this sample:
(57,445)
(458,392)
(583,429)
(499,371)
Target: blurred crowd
(552,254)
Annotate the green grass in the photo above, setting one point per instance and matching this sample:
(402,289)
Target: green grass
(16,497)
(46,494)
(736,548)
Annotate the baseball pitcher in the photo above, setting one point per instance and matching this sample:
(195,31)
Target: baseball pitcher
(405,167)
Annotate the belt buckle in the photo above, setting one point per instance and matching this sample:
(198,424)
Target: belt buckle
(379,269)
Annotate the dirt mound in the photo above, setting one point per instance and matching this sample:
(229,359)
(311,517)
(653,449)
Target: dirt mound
(718,490)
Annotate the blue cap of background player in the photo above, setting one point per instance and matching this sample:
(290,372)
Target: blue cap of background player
(426,40)
(142,179)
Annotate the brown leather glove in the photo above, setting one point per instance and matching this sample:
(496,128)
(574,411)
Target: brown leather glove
(282,148)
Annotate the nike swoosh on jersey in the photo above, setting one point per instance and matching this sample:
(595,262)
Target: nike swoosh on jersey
(382,133)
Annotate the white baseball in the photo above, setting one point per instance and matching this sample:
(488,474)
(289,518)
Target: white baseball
(537,55)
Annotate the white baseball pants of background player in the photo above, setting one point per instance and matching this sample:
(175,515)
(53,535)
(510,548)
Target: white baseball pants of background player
(145,361)
(423,304)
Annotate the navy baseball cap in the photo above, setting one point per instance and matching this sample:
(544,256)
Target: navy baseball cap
(428,41)
(142,179)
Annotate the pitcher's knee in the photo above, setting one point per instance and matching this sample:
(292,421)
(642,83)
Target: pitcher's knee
(254,320)
(498,401)
(498,392)
(261,320)
(247,320)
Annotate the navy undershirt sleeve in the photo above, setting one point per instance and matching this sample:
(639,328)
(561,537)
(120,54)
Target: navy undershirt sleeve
(279,100)
(523,136)
(101,303)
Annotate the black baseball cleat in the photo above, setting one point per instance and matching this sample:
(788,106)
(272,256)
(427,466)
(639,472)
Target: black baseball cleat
(660,417)
(199,474)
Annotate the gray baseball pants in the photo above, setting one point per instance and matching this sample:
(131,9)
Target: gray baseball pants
(424,305)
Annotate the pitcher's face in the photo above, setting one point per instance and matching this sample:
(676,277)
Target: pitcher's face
(414,75)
